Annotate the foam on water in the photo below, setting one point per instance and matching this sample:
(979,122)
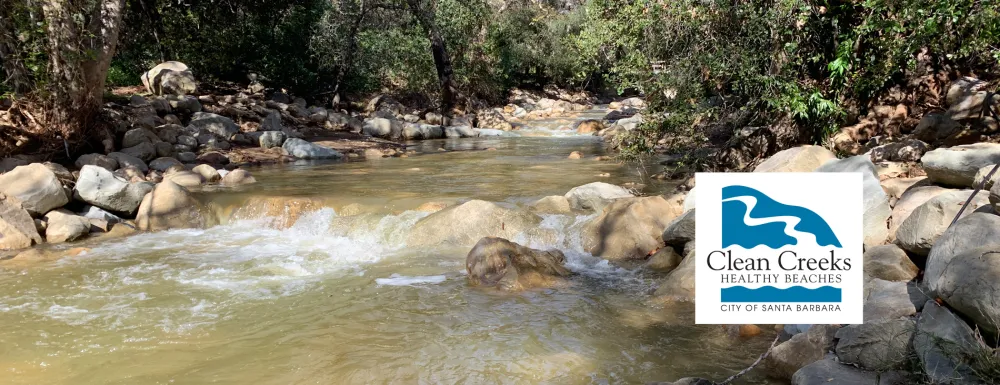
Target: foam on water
(400,280)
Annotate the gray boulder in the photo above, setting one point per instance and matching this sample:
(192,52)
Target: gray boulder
(64,226)
(272,122)
(126,160)
(35,187)
(137,136)
(890,263)
(875,201)
(678,285)
(887,300)
(680,231)
(910,200)
(145,151)
(971,232)
(382,128)
(467,223)
(935,127)
(797,159)
(957,166)
(919,231)
(460,132)
(218,125)
(594,196)
(970,284)
(880,346)
(944,345)
(169,132)
(99,160)
(801,350)
(302,149)
(17,229)
(164,163)
(170,78)
(103,189)
(829,372)
(417,131)
(271,139)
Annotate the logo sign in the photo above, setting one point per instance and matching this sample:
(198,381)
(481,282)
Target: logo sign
(779,248)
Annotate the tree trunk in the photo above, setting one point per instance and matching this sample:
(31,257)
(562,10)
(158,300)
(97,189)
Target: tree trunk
(17,74)
(442,62)
(80,53)
(352,47)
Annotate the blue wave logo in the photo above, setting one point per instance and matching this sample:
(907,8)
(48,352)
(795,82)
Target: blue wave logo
(773,294)
(750,218)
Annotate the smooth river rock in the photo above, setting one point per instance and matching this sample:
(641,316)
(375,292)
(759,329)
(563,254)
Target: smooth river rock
(467,223)
(957,166)
(797,159)
(508,266)
(64,226)
(678,285)
(305,150)
(971,232)
(103,189)
(921,229)
(680,231)
(875,201)
(169,206)
(909,201)
(35,187)
(17,229)
(970,284)
(594,196)
(890,263)
(630,228)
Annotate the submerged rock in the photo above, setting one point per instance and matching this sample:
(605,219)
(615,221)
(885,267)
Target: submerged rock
(505,265)
(237,177)
(467,223)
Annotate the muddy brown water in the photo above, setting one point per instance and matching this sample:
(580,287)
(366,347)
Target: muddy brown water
(306,299)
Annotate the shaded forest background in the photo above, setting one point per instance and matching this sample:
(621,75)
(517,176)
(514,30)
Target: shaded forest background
(706,67)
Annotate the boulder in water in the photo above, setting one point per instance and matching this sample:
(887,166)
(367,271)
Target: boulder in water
(103,189)
(305,150)
(594,196)
(17,229)
(555,204)
(467,223)
(185,178)
(630,228)
(64,226)
(169,206)
(505,265)
(679,283)
(208,172)
(35,187)
(237,177)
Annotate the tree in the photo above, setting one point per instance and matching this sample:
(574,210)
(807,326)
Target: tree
(82,37)
(442,62)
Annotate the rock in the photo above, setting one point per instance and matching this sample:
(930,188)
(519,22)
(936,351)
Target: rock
(944,345)
(508,266)
(145,151)
(679,283)
(185,104)
(575,155)
(207,172)
(272,122)
(490,118)
(64,226)
(879,346)
(629,228)
(164,163)
(214,158)
(796,159)
(17,229)
(163,149)
(555,204)
(875,202)
(186,179)
(801,350)
(594,196)
(890,263)
(237,177)
(897,187)
(909,201)
(218,125)
(465,224)
(161,106)
(664,260)
(686,381)
(271,139)
(171,77)
(35,187)
(7,164)
(970,105)
(382,128)
(934,128)
(434,118)
(100,160)
(94,212)
(137,101)
(186,157)
(417,131)
(169,206)
(187,140)
(886,300)
(103,189)
(460,132)
(908,150)
(302,149)
(968,282)
(680,231)
(920,230)
(971,232)
(828,372)
(137,136)
(125,160)
(981,177)
(957,166)
(588,126)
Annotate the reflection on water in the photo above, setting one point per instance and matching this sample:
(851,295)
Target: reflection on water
(327,298)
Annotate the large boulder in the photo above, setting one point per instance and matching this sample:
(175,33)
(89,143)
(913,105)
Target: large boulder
(64,226)
(169,78)
(880,346)
(830,372)
(797,159)
(505,265)
(170,206)
(630,228)
(971,232)
(555,204)
(185,178)
(137,136)
(209,173)
(417,131)
(467,223)
(935,127)
(802,349)
(680,231)
(17,229)
(678,285)
(920,230)
(594,196)
(490,118)
(103,189)
(125,160)
(305,150)
(100,160)
(164,163)
(970,284)
(217,125)
(271,139)
(909,201)
(944,345)
(237,177)
(460,132)
(35,187)
(383,128)
(885,300)
(957,166)
(890,263)
(145,151)
(875,202)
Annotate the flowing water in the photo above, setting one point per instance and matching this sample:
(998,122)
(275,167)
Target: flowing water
(308,280)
